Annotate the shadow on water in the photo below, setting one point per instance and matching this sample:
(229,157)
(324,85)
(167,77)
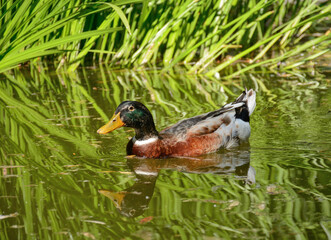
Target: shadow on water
(133,201)
(55,169)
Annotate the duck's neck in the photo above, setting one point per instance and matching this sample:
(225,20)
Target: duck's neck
(146,132)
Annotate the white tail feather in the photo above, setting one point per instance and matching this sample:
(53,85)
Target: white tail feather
(251,97)
(248,97)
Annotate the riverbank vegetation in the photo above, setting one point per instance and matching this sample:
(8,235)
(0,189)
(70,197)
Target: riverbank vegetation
(208,36)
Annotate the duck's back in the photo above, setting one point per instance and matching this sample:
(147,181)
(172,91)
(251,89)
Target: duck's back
(225,127)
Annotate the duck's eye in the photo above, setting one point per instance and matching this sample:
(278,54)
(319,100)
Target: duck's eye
(131,108)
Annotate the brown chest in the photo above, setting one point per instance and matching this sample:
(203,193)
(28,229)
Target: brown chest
(149,149)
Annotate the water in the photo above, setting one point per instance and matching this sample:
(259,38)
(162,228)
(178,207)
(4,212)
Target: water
(61,180)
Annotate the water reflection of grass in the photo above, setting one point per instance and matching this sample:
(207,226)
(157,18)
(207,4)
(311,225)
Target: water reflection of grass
(48,132)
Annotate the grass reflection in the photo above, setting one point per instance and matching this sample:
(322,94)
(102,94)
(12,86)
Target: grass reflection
(53,164)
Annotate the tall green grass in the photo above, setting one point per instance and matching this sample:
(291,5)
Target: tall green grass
(208,36)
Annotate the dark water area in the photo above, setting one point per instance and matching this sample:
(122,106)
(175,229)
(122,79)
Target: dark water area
(59,179)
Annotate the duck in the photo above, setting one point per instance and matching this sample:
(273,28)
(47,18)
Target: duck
(226,127)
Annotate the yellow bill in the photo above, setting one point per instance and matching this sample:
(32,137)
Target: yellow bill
(114,123)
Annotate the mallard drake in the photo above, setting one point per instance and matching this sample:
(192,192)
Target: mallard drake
(206,133)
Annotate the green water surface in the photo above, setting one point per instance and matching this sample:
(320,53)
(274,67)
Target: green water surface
(59,179)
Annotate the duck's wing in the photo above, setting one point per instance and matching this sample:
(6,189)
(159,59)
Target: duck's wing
(202,124)
(207,123)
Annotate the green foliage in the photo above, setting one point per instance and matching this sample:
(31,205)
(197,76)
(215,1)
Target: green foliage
(31,29)
(208,35)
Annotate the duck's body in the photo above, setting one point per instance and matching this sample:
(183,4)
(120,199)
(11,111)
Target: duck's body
(194,136)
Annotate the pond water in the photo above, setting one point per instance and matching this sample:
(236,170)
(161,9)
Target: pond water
(59,179)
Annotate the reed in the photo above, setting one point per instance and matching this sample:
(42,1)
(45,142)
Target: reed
(208,36)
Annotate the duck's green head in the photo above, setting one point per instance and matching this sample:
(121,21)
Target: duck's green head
(130,114)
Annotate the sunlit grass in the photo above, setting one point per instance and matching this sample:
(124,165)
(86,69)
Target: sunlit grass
(210,35)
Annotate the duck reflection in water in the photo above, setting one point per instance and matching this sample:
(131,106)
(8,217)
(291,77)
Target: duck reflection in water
(133,201)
